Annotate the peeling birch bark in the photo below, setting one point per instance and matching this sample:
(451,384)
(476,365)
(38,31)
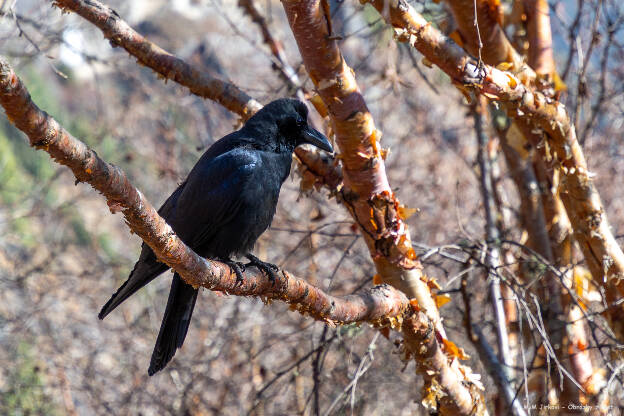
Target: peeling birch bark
(376,209)
(541,57)
(591,228)
(366,191)
(496,47)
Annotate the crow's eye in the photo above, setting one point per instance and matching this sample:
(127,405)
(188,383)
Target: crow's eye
(291,124)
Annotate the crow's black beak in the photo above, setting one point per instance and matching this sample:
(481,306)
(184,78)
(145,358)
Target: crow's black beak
(317,139)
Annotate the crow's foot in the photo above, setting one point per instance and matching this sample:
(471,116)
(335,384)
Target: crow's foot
(268,268)
(238,268)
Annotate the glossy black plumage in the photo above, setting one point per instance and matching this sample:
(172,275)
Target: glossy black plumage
(227,201)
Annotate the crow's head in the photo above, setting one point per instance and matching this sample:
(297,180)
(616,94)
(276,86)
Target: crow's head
(284,123)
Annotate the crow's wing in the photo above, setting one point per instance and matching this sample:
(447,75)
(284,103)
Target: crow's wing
(213,195)
(217,186)
(208,199)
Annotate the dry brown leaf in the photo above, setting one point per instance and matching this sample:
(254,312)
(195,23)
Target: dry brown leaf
(442,300)
(374,138)
(456,36)
(490,96)
(384,153)
(433,393)
(558,83)
(307,182)
(581,346)
(406,212)
(385,332)
(432,283)
(512,81)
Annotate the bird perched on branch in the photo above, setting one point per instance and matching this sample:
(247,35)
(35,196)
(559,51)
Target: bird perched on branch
(227,201)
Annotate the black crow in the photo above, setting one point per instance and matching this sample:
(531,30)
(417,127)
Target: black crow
(227,201)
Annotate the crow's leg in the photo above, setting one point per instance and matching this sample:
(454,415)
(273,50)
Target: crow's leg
(268,268)
(238,268)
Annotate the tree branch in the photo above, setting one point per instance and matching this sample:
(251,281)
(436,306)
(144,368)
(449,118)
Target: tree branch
(497,47)
(375,209)
(493,237)
(541,57)
(200,83)
(366,192)
(169,66)
(379,306)
(287,72)
(591,228)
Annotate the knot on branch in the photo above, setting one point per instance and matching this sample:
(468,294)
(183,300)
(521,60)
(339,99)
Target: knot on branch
(388,230)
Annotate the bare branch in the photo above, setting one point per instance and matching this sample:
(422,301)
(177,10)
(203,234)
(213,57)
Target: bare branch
(119,33)
(591,228)
(492,249)
(496,48)
(200,83)
(276,47)
(541,57)
(498,372)
(375,208)
(45,133)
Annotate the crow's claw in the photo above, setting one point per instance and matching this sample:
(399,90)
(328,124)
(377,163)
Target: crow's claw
(268,268)
(238,268)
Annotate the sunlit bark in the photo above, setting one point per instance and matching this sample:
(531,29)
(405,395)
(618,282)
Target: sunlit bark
(371,201)
(578,192)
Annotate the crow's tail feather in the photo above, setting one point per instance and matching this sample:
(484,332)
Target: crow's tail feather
(175,323)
